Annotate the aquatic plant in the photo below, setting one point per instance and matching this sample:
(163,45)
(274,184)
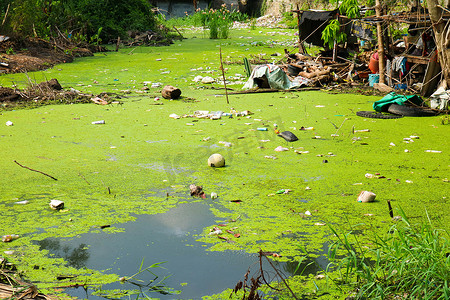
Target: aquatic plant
(412,262)
(141,287)
(219,21)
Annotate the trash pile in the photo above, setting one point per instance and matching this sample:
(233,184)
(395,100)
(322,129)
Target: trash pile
(212,115)
(301,70)
(49,92)
(148,38)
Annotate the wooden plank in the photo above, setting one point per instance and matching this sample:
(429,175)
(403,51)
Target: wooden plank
(417,59)
(431,78)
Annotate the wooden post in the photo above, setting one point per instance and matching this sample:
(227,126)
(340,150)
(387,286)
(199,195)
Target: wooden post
(381,61)
(118,43)
(301,49)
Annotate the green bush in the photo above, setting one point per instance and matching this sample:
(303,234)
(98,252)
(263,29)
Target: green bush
(45,18)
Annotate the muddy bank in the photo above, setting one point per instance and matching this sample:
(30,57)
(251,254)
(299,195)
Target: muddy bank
(34,54)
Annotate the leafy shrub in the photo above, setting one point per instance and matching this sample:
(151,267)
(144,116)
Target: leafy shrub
(332,33)
(46,18)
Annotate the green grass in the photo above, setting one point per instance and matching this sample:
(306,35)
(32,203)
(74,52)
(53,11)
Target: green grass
(411,261)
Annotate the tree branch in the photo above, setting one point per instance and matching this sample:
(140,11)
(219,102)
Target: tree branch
(35,170)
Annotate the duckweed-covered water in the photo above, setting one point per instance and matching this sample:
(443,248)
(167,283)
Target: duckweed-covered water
(133,172)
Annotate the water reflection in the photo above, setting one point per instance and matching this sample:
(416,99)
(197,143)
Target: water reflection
(75,256)
(168,238)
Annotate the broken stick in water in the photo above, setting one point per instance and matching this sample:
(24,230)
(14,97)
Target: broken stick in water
(35,170)
(391,213)
(223,75)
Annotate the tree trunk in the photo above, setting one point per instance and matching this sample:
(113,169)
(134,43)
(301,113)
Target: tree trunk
(380,42)
(441,31)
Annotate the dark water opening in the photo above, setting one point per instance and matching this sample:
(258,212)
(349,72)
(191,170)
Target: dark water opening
(168,238)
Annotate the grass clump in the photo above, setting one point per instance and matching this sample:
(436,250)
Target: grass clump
(412,262)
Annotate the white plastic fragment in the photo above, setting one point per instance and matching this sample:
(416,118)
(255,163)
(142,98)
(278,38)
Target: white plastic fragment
(301,152)
(56,204)
(9,238)
(23,202)
(9,123)
(216,232)
(270,157)
(213,195)
(308,213)
(281,148)
(208,79)
(392,144)
(98,122)
(433,151)
(225,144)
(174,116)
(198,78)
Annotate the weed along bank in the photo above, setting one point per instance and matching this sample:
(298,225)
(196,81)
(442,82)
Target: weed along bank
(139,178)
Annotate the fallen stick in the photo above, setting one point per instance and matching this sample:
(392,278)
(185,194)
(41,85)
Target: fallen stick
(35,170)
(81,175)
(178,32)
(255,91)
(340,128)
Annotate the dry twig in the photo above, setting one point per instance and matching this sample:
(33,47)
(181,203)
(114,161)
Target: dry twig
(35,170)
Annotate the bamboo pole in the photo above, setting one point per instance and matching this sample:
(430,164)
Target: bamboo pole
(381,61)
(223,75)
